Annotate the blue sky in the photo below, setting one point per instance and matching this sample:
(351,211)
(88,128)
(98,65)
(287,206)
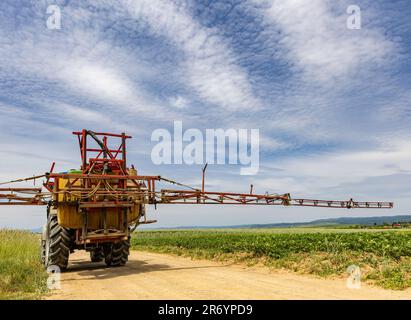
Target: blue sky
(333,105)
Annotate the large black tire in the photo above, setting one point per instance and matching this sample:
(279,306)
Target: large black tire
(97,254)
(116,254)
(57,244)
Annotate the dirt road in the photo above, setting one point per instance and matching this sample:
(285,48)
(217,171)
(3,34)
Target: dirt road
(160,276)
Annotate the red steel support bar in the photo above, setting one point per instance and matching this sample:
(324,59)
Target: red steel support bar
(123,152)
(286,196)
(99,150)
(106,134)
(106,160)
(83,149)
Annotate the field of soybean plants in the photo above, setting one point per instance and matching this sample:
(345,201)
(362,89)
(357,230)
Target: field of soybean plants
(383,256)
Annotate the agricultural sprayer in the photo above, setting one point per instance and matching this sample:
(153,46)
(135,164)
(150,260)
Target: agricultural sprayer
(97,207)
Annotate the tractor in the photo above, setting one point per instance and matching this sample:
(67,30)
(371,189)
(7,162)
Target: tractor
(98,206)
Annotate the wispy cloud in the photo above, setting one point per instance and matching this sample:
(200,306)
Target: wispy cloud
(315,40)
(209,64)
(99,81)
(337,78)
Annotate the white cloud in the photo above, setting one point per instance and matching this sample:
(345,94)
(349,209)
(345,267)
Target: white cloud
(318,43)
(102,82)
(270,144)
(80,62)
(210,66)
(335,79)
(315,174)
(89,118)
(179,102)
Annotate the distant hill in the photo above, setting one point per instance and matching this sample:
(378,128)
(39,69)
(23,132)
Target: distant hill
(321,222)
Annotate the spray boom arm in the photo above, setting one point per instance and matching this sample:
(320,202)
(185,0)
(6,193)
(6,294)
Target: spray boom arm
(145,190)
(106,178)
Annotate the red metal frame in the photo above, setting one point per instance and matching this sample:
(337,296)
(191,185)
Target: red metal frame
(18,196)
(116,165)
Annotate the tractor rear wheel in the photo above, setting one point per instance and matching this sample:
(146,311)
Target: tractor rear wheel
(97,254)
(56,244)
(116,254)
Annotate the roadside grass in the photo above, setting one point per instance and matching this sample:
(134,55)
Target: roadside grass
(384,258)
(22,275)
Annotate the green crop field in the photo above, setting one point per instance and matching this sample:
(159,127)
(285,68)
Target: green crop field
(383,256)
(22,275)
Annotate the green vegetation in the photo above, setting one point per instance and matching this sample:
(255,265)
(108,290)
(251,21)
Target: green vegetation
(383,256)
(385,226)
(22,275)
